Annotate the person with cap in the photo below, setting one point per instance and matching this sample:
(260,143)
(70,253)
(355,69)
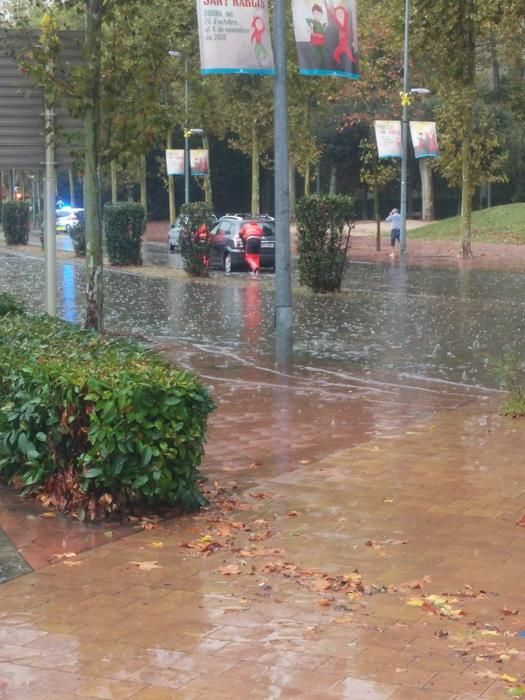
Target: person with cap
(251,234)
(394,219)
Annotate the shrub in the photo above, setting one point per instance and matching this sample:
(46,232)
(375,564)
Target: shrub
(124,225)
(97,424)
(195,248)
(323,226)
(15,221)
(9,305)
(512,371)
(78,236)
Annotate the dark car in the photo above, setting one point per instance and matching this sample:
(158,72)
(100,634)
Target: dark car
(227,249)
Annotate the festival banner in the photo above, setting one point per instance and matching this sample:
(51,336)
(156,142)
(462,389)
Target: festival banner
(326,37)
(199,161)
(388,138)
(235,37)
(424,139)
(175,161)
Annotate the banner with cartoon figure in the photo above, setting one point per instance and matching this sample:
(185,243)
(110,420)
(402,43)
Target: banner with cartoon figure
(388,139)
(199,161)
(326,37)
(424,139)
(235,37)
(175,161)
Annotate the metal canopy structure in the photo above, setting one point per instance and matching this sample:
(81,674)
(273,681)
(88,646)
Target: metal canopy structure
(22,122)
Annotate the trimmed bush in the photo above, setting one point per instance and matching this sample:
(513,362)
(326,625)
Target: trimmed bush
(15,222)
(78,236)
(323,227)
(97,424)
(124,225)
(195,247)
(9,304)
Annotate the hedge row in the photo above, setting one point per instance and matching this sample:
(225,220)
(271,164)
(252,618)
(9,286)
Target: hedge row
(98,424)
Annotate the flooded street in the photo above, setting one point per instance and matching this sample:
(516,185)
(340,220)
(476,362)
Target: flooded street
(441,325)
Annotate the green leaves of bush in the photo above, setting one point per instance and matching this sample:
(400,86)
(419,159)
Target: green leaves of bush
(10,305)
(124,224)
(15,221)
(323,227)
(97,420)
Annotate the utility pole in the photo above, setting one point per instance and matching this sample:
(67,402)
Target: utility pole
(404,138)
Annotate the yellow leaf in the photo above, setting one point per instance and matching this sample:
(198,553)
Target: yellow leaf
(146,565)
(416,602)
(157,545)
(206,538)
(508,679)
(71,563)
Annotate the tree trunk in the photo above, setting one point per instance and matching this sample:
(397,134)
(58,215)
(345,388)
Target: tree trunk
(171,185)
(333,175)
(143,185)
(465,242)
(71,188)
(292,188)
(307,180)
(377,215)
(208,192)
(256,194)
(94,267)
(427,190)
(114,181)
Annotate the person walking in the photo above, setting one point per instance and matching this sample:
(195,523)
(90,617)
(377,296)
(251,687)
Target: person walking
(251,234)
(394,219)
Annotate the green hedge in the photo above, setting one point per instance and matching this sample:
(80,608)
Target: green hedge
(194,249)
(15,222)
(323,228)
(98,424)
(124,225)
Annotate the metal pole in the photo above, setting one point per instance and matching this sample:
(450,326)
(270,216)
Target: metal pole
(186,136)
(50,238)
(404,138)
(283,283)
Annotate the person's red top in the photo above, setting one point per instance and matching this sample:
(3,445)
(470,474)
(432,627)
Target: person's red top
(251,230)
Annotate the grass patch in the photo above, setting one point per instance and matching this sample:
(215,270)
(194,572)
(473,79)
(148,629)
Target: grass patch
(505,224)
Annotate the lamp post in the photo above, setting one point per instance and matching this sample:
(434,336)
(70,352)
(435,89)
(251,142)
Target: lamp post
(187,133)
(406,98)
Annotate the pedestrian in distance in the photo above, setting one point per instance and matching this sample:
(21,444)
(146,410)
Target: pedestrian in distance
(394,219)
(251,234)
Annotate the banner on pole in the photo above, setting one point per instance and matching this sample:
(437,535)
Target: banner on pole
(199,161)
(424,139)
(175,161)
(326,37)
(235,37)
(388,139)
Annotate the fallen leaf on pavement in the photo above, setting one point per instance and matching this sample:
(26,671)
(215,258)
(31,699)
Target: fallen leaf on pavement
(260,495)
(69,562)
(261,552)
(293,514)
(65,555)
(255,465)
(508,611)
(157,545)
(146,565)
(325,603)
(521,521)
(230,570)
(48,515)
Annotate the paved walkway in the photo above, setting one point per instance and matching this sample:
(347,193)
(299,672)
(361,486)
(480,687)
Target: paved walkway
(361,543)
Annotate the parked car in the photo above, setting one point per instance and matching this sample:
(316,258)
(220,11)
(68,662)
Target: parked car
(227,249)
(67,218)
(174,232)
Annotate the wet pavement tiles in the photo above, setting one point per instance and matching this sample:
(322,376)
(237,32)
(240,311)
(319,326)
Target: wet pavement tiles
(389,570)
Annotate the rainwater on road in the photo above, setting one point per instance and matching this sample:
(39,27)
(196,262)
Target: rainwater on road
(433,324)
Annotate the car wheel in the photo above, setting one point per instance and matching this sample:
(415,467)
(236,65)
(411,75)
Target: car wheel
(228,263)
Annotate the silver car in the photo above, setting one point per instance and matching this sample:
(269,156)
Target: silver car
(174,232)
